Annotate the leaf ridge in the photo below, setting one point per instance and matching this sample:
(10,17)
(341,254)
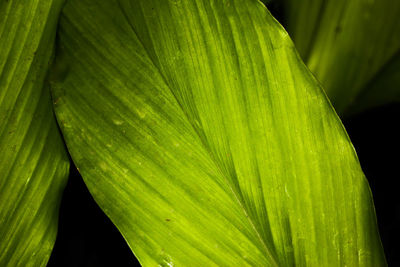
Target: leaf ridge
(236,195)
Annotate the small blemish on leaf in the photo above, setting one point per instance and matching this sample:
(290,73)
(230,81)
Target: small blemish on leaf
(118,122)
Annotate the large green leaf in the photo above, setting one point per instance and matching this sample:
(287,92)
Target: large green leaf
(33,160)
(347,44)
(201,134)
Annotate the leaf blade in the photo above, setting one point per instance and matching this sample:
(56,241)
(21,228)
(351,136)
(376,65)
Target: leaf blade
(207,133)
(33,160)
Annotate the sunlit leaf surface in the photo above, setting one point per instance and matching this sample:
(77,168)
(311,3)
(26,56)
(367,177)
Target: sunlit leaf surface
(33,160)
(201,134)
(349,45)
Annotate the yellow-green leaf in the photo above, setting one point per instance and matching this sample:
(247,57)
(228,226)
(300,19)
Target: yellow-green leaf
(33,159)
(202,135)
(348,45)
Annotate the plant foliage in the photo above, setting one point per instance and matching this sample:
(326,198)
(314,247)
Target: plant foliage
(33,159)
(352,47)
(202,135)
(195,125)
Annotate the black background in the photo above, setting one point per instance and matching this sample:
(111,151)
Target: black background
(88,238)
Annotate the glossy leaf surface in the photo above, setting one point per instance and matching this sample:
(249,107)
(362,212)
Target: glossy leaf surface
(33,160)
(348,45)
(201,134)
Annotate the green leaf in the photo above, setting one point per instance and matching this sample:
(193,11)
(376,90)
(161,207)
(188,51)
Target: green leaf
(33,159)
(201,134)
(301,20)
(347,45)
(383,88)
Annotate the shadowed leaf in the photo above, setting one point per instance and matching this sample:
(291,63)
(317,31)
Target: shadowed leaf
(349,45)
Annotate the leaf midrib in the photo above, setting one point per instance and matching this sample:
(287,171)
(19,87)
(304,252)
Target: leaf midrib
(205,145)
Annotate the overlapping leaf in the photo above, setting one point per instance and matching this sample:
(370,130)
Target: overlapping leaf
(33,160)
(382,89)
(349,45)
(201,134)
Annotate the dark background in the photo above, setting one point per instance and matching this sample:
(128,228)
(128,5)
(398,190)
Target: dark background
(88,238)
